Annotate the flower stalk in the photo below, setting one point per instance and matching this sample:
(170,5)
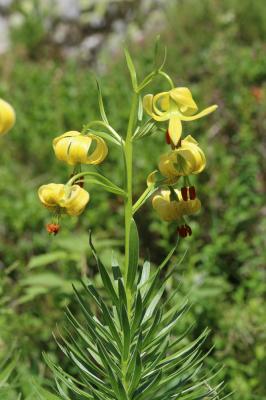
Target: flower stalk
(129,180)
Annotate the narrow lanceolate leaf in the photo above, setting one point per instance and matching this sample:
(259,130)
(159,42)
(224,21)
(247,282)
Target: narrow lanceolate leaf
(138,314)
(116,268)
(133,254)
(126,332)
(136,374)
(144,390)
(110,323)
(7,370)
(153,304)
(105,276)
(131,69)
(101,106)
(133,357)
(122,293)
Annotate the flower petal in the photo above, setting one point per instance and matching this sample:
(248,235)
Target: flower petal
(147,104)
(201,114)
(51,194)
(175,128)
(161,100)
(183,98)
(75,201)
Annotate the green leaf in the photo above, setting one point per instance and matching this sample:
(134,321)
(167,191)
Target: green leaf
(122,293)
(136,374)
(132,69)
(100,100)
(133,254)
(7,370)
(105,276)
(46,259)
(126,332)
(138,313)
(109,321)
(44,394)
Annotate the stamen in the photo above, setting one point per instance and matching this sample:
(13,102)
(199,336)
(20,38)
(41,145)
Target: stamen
(184,193)
(182,231)
(192,192)
(189,230)
(167,137)
(53,229)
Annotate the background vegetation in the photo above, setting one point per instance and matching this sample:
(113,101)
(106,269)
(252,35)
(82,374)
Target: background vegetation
(217,48)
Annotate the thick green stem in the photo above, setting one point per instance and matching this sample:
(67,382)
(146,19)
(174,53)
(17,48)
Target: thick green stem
(129,171)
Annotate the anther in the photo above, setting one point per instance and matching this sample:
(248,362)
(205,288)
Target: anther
(192,192)
(167,137)
(53,229)
(189,230)
(184,193)
(182,231)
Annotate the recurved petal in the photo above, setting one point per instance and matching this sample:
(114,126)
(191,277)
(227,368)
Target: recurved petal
(161,102)
(201,114)
(51,194)
(78,149)
(166,165)
(191,206)
(62,145)
(75,201)
(183,98)
(65,135)
(147,103)
(100,152)
(189,139)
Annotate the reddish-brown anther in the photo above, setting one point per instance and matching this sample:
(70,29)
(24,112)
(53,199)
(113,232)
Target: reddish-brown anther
(192,192)
(182,230)
(184,193)
(167,137)
(189,230)
(53,229)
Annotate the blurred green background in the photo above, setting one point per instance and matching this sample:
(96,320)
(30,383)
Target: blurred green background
(47,66)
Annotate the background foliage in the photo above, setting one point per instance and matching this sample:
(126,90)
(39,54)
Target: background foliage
(217,49)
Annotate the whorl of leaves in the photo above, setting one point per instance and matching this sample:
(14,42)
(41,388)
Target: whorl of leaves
(129,351)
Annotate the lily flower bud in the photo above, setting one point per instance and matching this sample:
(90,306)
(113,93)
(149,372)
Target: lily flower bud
(7,117)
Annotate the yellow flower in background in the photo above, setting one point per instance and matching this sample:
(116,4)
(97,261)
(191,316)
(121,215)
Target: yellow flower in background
(61,198)
(75,148)
(174,106)
(7,117)
(170,209)
(182,161)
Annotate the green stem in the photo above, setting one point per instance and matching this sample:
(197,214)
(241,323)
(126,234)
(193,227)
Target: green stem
(129,169)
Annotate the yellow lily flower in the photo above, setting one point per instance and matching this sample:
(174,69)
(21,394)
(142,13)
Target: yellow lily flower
(74,148)
(182,161)
(7,117)
(174,106)
(61,198)
(174,210)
